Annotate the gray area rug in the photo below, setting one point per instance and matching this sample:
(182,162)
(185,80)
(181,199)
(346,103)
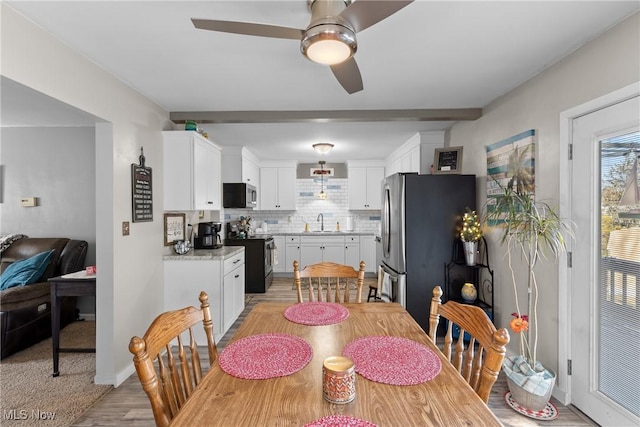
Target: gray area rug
(30,396)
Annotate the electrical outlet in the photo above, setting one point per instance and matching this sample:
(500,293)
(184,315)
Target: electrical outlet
(125,228)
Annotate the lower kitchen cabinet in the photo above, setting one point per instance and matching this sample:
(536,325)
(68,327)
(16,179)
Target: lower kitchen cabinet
(232,290)
(352,251)
(221,278)
(316,249)
(348,249)
(292,247)
(368,253)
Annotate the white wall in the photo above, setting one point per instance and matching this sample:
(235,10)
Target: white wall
(607,63)
(57,167)
(130,279)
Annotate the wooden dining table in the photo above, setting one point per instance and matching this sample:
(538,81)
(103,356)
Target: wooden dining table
(294,400)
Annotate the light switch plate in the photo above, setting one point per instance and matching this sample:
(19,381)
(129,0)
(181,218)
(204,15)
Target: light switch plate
(125,228)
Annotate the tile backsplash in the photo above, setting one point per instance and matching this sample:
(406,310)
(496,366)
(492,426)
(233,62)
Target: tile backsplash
(335,209)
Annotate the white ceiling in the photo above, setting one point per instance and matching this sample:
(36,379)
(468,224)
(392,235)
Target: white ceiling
(429,55)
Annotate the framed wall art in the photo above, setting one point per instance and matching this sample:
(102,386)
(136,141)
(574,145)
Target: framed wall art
(447,160)
(511,163)
(174,228)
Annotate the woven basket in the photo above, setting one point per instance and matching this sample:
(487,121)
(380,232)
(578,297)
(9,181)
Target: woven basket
(527,399)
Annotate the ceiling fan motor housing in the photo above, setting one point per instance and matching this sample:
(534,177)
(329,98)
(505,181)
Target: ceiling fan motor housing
(326,25)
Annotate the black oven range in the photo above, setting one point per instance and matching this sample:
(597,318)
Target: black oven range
(258,258)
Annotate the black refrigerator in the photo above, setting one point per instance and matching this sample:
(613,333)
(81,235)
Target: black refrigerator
(420,214)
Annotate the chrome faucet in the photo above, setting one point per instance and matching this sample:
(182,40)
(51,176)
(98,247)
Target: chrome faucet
(321,220)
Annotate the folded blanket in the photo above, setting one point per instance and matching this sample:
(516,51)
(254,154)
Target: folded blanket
(536,381)
(7,239)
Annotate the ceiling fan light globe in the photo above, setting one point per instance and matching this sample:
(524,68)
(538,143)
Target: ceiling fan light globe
(328,44)
(328,52)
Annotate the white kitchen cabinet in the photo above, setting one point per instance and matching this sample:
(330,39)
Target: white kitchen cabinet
(240,165)
(368,253)
(192,175)
(183,282)
(279,241)
(352,251)
(293,252)
(316,249)
(232,290)
(222,280)
(250,172)
(277,188)
(364,188)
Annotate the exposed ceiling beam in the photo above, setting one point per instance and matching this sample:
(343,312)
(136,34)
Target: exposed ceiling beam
(438,115)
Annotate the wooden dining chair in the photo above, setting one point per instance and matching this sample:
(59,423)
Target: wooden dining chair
(328,281)
(170,381)
(480,361)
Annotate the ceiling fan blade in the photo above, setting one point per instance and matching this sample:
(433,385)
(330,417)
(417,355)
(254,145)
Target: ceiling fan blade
(362,14)
(348,75)
(248,28)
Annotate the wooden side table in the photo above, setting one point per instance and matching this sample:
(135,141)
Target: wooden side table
(75,284)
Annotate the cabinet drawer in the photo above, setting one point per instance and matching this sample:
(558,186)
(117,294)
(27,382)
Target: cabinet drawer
(233,262)
(326,240)
(352,239)
(293,239)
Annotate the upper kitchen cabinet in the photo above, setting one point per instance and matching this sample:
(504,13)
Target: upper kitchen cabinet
(240,165)
(415,155)
(277,188)
(364,187)
(191,172)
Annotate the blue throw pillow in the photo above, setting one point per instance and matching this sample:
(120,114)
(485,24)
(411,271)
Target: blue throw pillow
(25,271)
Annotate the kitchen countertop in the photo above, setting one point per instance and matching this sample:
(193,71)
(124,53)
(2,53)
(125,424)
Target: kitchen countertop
(324,233)
(207,254)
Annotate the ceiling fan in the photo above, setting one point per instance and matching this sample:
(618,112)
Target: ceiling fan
(330,37)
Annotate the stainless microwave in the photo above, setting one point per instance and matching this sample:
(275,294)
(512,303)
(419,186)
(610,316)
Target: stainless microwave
(239,195)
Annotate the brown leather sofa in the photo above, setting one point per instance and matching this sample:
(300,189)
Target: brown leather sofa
(25,311)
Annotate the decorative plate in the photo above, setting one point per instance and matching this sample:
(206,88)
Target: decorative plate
(550,412)
(316,313)
(340,421)
(393,360)
(265,356)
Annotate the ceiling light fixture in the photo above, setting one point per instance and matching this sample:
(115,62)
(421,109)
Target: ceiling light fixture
(322,147)
(329,44)
(322,195)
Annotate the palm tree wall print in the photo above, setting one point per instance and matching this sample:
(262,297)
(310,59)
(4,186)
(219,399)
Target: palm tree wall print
(511,164)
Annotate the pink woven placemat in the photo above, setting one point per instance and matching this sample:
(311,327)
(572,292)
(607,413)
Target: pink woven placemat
(340,421)
(316,313)
(263,356)
(393,360)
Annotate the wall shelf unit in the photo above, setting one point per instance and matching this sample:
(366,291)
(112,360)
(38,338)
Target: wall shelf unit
(457,273)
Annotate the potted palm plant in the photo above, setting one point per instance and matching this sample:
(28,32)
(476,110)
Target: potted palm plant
(534,231)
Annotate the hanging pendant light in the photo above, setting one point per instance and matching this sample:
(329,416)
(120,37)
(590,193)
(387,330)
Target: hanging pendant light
(322,195)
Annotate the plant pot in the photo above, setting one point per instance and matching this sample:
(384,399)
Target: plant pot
(528,399)
(470,249)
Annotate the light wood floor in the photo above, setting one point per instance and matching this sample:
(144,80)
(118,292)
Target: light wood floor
(127,405)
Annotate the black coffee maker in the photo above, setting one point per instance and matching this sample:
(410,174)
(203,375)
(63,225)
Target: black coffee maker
(208,237)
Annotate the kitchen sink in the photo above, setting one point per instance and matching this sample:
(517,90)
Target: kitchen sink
(326,232)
